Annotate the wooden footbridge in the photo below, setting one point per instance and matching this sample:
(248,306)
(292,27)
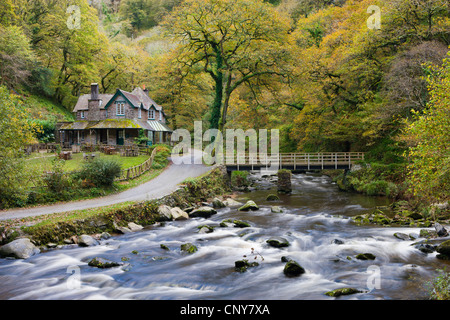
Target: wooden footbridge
(293,161)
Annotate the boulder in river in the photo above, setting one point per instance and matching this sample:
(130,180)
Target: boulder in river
(242,265)
(134,227)
(103,263)
(241,224)
(203,212)
(342,292)
(365,256)
(250,205)
(189,248)
(86,241)
(164,212)
(272,197)
(178,214)
(276,209)
(278,242)
(217,203)
(444,249)
(293,269)
(440,230)
(401,236)
(232,203)
(21,248)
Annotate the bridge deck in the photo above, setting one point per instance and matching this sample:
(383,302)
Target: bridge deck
(294,161)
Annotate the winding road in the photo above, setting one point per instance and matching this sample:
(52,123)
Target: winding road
(162,185)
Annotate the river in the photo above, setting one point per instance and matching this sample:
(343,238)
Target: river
(314,215)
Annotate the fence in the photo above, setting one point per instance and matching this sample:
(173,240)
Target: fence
(136,171)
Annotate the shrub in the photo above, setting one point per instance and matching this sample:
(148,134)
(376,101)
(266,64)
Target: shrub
(100,172)
(439,287)
(239,179)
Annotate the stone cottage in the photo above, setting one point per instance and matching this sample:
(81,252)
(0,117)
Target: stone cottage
(115,119)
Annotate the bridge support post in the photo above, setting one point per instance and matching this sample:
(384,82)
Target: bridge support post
(284,181)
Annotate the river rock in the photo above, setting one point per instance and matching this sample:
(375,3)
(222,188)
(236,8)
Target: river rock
(337,241)
(241,224)
(401,236)
(178,214)
(276,209)
(134,227)
(203,212)
(425,247)
(86,241)
(232,203)
(365,256)
(21,248)
(440,230)
(444,248)
(242,265)
(250,205)
(342,292)
(165,212)
(272,197)
(188,247)
(217,203)
(103,263)
(293,269)
(278,242)
(205,229)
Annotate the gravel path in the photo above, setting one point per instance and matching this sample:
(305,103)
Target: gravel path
(162,185)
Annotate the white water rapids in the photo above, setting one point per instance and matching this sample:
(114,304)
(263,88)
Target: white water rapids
(314,215)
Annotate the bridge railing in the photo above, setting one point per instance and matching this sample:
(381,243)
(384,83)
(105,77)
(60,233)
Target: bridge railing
(294,160)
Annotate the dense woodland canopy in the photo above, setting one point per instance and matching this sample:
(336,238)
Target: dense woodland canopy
(311,68)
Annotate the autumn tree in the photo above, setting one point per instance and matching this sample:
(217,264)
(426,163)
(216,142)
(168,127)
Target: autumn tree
(234,42)
(17,132)
(429,154)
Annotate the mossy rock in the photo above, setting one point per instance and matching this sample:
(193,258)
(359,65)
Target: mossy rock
(241,224)
(189,248)
(365,256)
(250,205)
(293,269)
(278,242)
(342,292)
(272,197)
(444,248)
(243,265)
(103,263)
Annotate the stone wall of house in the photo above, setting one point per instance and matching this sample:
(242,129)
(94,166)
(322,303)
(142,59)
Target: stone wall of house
(130,111)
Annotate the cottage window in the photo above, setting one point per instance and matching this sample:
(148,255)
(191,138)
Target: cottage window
(151,114)
(140,113)
(82,115)
(120,109)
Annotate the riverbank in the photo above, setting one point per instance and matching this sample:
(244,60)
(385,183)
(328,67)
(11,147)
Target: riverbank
(64,228)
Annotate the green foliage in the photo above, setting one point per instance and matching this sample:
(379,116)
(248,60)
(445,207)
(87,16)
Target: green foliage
(57,180)
(439,287)
(429,171)
(100,172)
(16,132)
(239,179)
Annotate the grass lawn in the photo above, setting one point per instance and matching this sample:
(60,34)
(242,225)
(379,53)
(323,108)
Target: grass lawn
(43,161)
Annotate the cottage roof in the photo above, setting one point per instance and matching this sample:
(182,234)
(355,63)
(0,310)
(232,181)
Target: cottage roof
(147,102)
(83,100)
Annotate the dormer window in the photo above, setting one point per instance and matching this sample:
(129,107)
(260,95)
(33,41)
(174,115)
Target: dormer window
(140,113)
(120,108)
(151,114)
(82,115)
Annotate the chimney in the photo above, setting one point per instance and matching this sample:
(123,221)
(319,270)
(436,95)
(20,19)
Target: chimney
(94,91)
(145,89)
